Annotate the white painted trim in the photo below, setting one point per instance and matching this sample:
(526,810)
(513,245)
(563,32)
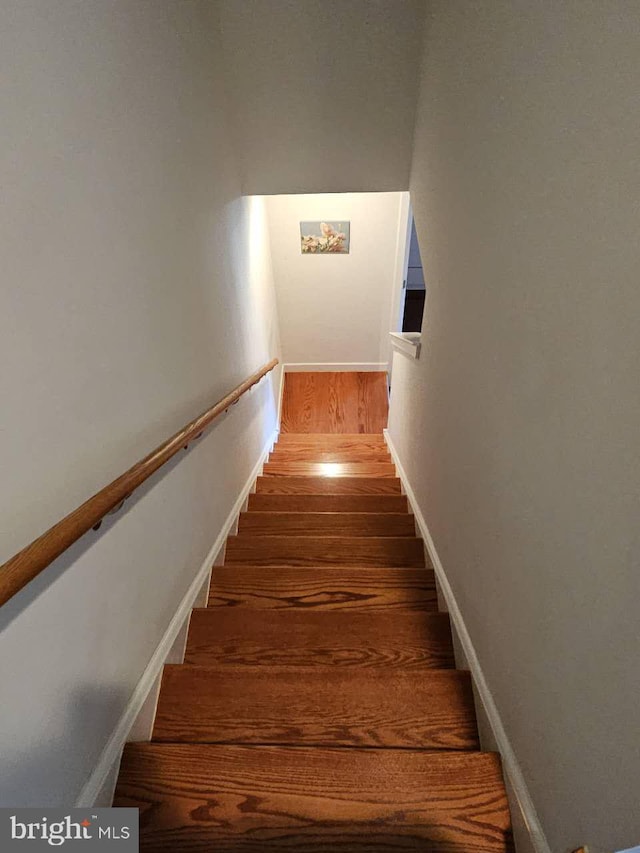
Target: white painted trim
(107,765)
(408,343)
(280,397)
(338,366)
(509,760)
(403,244)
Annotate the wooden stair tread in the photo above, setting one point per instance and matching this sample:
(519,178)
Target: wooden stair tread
(304,453)
(329,469)
(234,798)
(301,485)
(284,705)
(300,638)
(327,503)
(327,523)
(322,588)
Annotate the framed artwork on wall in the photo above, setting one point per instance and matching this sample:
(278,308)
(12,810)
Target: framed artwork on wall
(325,238)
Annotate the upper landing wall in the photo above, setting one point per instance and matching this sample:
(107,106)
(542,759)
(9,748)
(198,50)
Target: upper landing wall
(323,94)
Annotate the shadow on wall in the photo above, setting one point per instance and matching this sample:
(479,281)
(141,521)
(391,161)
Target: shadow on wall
(81,710)
(41,583)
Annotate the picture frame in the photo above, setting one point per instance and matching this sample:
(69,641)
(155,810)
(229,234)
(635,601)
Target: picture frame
(325,237)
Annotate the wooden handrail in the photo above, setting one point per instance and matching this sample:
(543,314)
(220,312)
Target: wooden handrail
(28,563)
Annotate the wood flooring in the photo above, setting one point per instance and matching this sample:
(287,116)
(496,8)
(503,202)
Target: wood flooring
(235,799)
(318,707)
(318,588)
(334,403)
(295,485)
(327,523)
(312,706)
(339,639)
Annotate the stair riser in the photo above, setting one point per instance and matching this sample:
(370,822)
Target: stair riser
(327,503)
(292,485)
(338,639)
(329,469)
(324,551)
(310,454)
(311,707)
(331,441)
(326,524)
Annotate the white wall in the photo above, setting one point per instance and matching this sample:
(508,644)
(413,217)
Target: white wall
(324,94)
(519,424)
(129,302)
(337,308)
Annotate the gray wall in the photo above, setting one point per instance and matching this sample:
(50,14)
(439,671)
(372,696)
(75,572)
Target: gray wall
(521,422)
(323,93)
(128,303)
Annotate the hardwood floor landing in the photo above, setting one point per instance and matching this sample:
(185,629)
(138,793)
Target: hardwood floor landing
(335,402)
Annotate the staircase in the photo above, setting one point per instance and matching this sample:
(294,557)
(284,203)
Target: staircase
(318,707)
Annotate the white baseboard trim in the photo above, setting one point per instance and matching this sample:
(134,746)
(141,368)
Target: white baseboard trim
(337,366)
(280,397)
(106,768)
(510,763)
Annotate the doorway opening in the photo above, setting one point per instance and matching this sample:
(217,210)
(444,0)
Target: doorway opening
(414,286)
